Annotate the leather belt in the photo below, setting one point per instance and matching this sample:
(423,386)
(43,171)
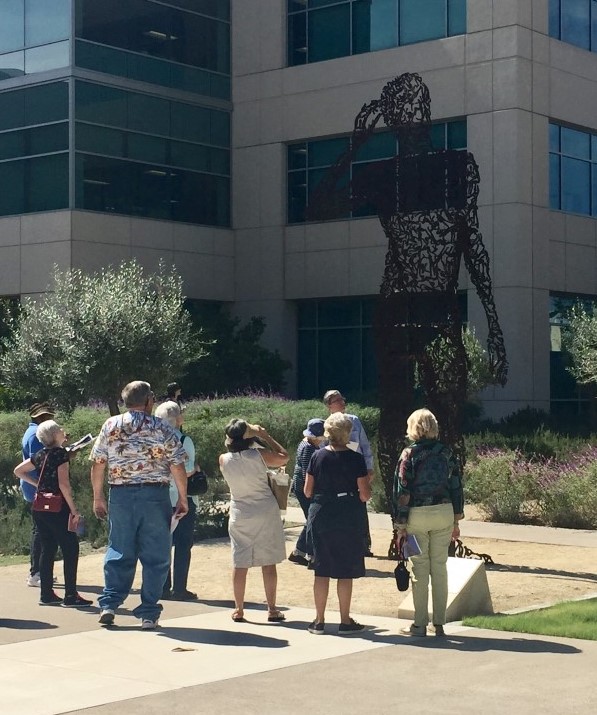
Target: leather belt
(140,484)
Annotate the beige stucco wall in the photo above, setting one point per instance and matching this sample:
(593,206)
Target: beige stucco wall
(31,245)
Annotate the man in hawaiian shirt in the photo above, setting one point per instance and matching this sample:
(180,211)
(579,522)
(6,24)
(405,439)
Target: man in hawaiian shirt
(141,453)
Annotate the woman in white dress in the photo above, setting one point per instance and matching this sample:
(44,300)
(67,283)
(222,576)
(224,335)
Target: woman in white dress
(255,526)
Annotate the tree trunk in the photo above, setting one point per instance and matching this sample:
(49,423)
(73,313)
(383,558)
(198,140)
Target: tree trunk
(113,406)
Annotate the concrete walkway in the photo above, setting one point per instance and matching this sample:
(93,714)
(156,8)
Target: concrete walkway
(55,660)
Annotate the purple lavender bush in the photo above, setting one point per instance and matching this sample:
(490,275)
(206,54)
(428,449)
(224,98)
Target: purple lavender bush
(512,488)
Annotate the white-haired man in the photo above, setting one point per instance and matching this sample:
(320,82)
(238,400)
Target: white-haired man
(141,453)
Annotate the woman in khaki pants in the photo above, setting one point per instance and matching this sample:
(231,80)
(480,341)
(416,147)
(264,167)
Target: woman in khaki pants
(428,503)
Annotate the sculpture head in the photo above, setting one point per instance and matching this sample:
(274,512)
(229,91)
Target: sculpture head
(405,102)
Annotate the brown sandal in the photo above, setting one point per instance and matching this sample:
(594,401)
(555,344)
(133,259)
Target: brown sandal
(276,616)
(237,616)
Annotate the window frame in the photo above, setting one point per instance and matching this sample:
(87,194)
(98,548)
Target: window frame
(305,11)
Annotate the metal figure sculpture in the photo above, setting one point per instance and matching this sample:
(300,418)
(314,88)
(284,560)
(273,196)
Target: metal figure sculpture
(426,200)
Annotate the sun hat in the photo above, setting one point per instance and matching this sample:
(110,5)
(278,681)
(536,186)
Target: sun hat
(314,428)
(38,409)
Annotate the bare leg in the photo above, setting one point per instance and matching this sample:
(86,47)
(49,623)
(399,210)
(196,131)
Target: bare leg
(321,587)
(270,585)
(344,597)
(239,582)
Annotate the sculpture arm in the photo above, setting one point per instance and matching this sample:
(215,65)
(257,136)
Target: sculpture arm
(327,200)
(477,263)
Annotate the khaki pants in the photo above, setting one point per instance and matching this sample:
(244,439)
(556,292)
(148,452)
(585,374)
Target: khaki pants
(432,526)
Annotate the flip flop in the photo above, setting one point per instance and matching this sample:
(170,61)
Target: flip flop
(238,617)
(276,617)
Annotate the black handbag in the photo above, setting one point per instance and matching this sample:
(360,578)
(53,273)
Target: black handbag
(401,572)
(197,483)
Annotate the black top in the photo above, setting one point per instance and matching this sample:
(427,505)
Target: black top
(336,472)
(48,480)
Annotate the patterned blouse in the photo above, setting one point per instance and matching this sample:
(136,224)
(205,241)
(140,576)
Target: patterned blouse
(138,448)
(49,460)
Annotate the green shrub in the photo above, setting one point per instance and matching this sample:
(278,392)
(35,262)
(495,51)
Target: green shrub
(204,422)
(571,502)
(502,485)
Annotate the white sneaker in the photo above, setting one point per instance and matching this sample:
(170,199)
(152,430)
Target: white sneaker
(106,617)
(148,625)
(34,579)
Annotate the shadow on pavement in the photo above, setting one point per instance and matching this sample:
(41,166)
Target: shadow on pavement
(540,570)
(24,624)
(480,644)
(221,637)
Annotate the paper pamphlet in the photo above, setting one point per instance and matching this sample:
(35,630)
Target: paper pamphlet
(80,443)
(354,446)
(411,546)
(174,523)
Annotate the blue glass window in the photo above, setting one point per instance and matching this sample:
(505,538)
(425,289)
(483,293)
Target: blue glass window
(308,163)
(572,170)
(568,398)
(34,36)
(34,142)
(179,47)
(335,346)
(12,27)
(145,156)
(46,22)
(324,29)
(575,22)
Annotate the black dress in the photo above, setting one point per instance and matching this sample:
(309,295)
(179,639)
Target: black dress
(336,522)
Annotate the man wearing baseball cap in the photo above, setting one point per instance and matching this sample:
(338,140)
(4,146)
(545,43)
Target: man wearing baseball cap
(38,412)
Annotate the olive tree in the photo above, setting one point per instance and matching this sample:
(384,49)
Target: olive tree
(579,339)
(89,335)
(479,374)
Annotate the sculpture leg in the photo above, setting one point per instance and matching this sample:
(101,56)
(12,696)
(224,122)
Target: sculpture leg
(396,386)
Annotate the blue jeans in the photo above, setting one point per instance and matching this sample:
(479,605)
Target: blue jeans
(139,522)
(182,540)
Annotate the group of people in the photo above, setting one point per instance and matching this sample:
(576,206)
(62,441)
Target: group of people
(148,461)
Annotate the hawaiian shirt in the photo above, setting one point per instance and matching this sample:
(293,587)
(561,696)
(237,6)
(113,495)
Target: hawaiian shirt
(138,448)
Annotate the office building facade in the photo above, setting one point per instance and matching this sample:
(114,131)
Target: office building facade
(115,139)
(195,130)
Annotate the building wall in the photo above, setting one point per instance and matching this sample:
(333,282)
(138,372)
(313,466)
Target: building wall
(508,77)
(31,245)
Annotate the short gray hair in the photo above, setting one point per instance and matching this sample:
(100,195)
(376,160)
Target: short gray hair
(329,396)
(337,429)
(169,412)
(136,393)
(46,432)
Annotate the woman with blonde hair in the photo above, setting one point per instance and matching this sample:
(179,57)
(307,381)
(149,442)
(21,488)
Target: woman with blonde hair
(428,503)
(337,484)
(255,526)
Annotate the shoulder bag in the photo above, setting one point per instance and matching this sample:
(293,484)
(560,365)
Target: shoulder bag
(197,482)
(401,572)
(46,501)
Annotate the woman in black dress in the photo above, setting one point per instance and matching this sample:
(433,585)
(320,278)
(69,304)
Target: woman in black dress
(337,484)
(52,465)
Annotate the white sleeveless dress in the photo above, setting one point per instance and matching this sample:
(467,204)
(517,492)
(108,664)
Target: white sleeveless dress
(255,526)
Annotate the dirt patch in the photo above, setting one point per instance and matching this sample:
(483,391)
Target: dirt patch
(524,575)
